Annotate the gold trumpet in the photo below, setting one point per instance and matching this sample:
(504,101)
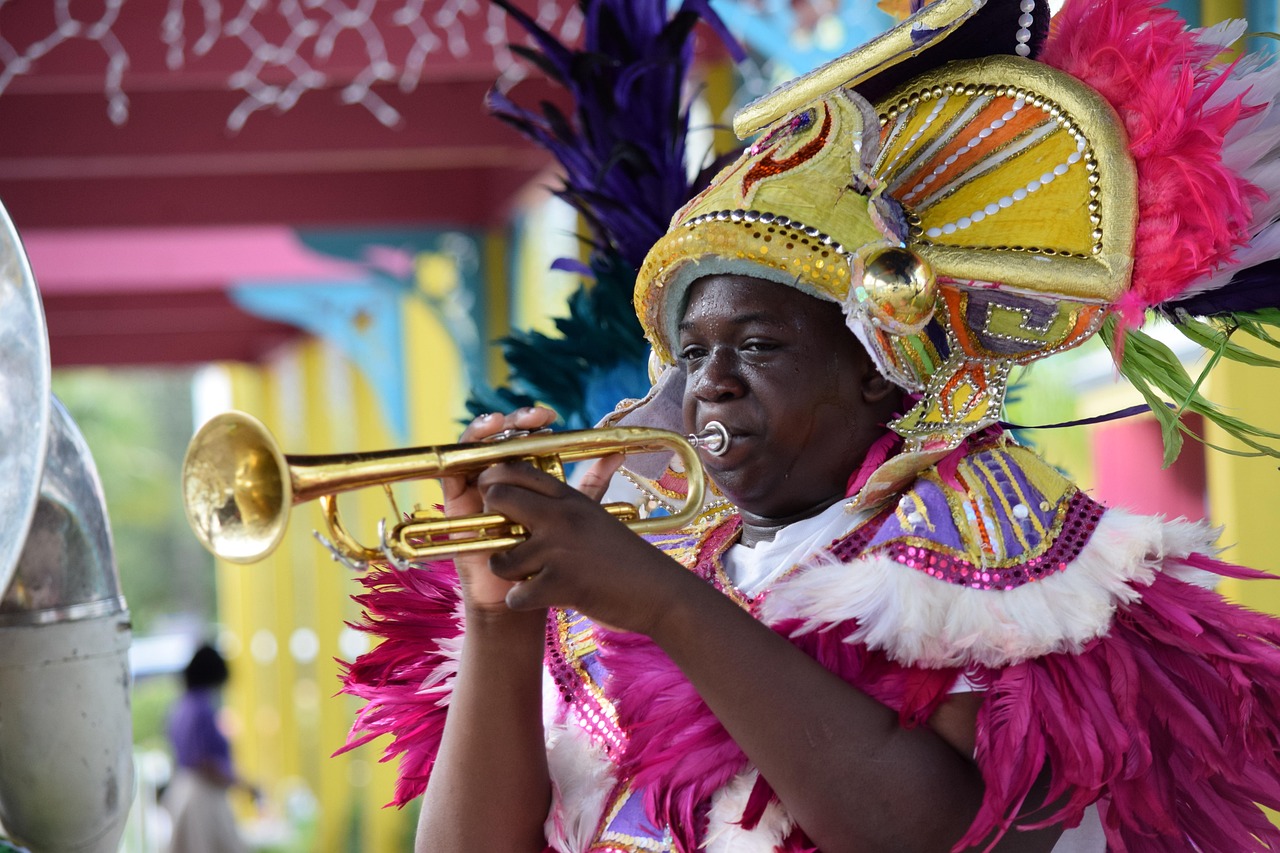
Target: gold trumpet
(238,487)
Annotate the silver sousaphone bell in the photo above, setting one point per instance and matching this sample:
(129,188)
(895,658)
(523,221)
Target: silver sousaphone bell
(66,756)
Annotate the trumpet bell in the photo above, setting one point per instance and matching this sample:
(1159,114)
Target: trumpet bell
(237,488)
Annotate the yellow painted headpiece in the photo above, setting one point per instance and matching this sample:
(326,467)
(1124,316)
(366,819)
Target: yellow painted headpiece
(981,215)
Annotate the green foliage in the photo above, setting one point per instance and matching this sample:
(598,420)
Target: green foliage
(151,700)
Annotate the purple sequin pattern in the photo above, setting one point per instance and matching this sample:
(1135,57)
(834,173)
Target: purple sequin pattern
(1080,519)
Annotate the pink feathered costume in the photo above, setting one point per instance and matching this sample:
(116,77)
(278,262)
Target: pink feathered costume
(1099,649)
(1094,635)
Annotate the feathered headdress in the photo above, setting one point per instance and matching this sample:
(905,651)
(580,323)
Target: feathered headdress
(981,189)
(1203,134)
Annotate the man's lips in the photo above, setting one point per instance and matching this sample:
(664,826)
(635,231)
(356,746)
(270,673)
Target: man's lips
(738,436)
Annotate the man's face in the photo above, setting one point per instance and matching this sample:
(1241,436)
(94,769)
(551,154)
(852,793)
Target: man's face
(782,372)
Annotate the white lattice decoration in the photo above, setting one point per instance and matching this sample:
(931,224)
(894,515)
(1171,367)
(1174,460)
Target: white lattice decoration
(313,27)
(66,27)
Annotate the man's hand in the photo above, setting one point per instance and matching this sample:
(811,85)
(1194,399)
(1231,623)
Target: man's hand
(577,555)
(480,587)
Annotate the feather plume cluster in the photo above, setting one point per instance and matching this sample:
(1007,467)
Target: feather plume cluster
(1193,210)
(1173,715)
(406,680)
(622,153)
(1203,135)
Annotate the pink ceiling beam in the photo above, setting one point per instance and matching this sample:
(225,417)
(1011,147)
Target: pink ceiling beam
(150,260)
(156,329)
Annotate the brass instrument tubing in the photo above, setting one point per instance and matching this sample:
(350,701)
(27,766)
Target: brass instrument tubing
(238,487)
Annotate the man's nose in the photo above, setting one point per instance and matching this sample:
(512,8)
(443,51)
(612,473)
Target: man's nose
(719,377)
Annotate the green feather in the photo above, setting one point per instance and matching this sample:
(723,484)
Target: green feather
(1160,377)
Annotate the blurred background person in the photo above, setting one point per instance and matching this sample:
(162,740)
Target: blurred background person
(204,773)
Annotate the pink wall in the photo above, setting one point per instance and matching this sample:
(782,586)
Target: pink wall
(1127,457)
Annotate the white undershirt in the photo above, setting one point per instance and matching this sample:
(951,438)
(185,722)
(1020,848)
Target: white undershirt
(752,569)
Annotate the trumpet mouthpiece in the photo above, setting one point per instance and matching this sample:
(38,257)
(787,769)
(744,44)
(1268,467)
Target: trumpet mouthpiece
(714,438)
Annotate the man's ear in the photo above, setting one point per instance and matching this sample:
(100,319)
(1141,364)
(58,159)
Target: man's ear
(875,387)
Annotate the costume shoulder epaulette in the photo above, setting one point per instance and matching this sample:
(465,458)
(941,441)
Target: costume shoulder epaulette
(1000,519)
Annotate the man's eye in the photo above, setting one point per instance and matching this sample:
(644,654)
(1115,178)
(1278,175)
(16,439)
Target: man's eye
(692,353)
(756,345)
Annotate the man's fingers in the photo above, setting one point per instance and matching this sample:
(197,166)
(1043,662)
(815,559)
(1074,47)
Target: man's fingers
(486,426)
(523,595)
(595,482)
(529,418)
(482,426)
(495,479)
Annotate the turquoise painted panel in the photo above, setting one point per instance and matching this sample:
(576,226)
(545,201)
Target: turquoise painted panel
(361,318)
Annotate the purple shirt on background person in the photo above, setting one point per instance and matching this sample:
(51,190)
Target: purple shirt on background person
(194,733)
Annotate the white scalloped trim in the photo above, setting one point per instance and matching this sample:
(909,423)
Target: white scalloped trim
(921,620)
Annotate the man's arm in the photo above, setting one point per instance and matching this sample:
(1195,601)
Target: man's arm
(848,773)
(489,788)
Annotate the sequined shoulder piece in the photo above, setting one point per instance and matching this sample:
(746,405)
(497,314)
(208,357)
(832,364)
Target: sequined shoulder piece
(687,543)
(1012,521)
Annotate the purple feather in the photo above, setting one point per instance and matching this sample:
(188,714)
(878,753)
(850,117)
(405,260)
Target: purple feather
(622,150)
(571,265)
(1250,289)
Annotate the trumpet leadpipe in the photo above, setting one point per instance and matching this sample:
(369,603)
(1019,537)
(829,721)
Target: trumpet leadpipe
(713,438)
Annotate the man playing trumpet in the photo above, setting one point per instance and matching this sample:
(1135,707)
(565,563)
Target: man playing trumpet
(895,629)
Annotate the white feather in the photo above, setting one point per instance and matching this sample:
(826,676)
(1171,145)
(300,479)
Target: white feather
(921,620)
(581,778)
(726,835)
(1264,247)
(1224,33)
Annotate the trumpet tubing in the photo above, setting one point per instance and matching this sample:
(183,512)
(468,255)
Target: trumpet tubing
(239,488)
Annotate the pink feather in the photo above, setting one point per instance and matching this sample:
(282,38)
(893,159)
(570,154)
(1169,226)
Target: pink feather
(405,680)
(679,754)
(1172,717)
(1194,211)
(880,450)
(677,751)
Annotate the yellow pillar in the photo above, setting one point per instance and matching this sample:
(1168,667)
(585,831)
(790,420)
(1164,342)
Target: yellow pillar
(285,618)
(372,783)
(302,633)
(245,601)
(1244,492)
(327,429)
(720,85)
(1213,11)
(497,289)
